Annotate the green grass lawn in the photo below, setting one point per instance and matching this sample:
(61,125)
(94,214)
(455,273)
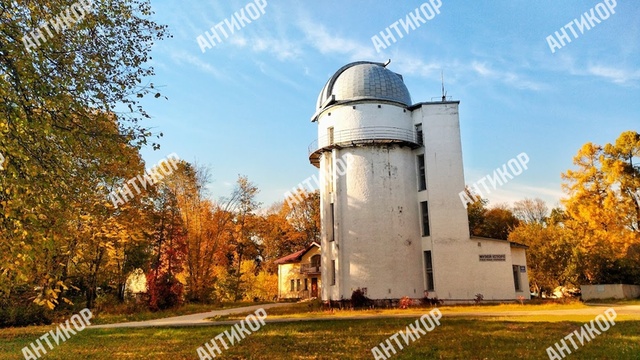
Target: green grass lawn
(314,310)
(456,338)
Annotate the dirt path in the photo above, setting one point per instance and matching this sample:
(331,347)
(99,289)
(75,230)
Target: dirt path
(188,320)
(198,319)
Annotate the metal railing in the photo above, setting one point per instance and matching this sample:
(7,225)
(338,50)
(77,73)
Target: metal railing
(363,135)
(309,268)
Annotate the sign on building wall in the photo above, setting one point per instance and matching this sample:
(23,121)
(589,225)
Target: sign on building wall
(523,269)
(494,257)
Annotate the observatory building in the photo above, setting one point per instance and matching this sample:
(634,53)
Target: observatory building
(393,223)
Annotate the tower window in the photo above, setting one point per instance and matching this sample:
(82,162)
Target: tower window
(424,210)
(333,272)
(329,170)
(419,135)
(330,135)
(332,233)
(298,285)
(428,269)
(293,284)
(422,175)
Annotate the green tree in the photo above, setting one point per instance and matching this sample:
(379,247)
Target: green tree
(64,135)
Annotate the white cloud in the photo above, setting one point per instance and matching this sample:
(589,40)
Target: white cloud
(282,49)
(327,43)
(181,57)
(507,77)
(512,192)
(277,75)
(615,75)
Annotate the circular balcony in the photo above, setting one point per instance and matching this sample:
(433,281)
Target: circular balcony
(362,137)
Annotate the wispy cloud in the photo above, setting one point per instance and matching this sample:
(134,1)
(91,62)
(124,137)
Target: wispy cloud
(508,77)
(511,193)
(181,57)
(618,74)
(325,42)
(277,75)
(283,49)
(615,75)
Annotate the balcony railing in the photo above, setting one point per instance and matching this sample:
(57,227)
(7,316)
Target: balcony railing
(309,268)
(363,136)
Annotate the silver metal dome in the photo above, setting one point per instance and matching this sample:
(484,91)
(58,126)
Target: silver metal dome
(364,80)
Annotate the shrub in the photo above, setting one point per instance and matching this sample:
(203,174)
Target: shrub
(427,301)
(164,292)
(359,300)
(405,302)
(21,314)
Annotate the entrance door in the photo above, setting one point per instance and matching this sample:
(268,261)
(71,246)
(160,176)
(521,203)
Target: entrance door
(314,287)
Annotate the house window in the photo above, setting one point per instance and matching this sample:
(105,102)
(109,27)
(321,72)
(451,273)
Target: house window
(298,285)
(315,261)
(422,174)
(516,277)
(330,135)
(293,285)
(332,234)
(306,284)
(424,210)
(419,135)
(333,272)
(428,268)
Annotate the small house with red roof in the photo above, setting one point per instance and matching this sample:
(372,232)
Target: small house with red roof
(299,274)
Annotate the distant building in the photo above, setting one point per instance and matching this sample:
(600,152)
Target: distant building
(392,220)
(299,274)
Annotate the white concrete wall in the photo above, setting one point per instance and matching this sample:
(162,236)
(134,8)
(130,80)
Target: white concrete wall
(610,291)
(365,116)
(379,237)
(458,272)
(377,243)
(445,175)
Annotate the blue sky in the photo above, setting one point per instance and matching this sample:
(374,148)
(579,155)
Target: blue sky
(244,107)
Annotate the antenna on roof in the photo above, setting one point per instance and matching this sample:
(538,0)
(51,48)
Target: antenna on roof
(444,94)
(387,63)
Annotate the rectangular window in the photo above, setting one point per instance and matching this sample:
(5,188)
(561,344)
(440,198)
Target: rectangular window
(419,135)
(422,174)
(332,233)
(330,135)
(306,284)
(424,211)
(428,268)
(516,277)
(298,285)
(333,272)
(292,285)
(329,171)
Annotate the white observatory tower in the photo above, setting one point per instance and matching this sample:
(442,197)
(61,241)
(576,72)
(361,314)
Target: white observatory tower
(392,221)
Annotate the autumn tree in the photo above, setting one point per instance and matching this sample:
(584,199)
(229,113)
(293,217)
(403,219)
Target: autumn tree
(602,209)
(551,256)
(495,222)
(206,228)
(244,240)
(289,226)
(531,211)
